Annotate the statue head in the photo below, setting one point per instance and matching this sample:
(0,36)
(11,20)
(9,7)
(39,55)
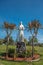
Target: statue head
(20,22)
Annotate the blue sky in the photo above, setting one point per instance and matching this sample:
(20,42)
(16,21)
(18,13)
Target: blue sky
(14,11)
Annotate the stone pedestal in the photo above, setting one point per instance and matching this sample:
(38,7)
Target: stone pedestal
(21,48)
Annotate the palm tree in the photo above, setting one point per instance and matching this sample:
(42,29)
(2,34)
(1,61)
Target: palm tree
(8,27)
(33,27)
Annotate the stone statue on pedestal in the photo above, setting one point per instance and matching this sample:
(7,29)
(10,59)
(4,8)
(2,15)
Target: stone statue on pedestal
(21,46)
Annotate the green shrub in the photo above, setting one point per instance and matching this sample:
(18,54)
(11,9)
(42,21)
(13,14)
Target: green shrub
(35,51)
(28,53)
(21,55)
(11,52)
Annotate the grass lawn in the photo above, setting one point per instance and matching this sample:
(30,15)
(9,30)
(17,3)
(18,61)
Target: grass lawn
(5,62)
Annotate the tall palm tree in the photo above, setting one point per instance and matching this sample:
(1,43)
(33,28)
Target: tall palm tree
(33,27)
(8,27)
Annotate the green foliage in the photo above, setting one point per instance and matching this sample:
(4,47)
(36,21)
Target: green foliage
(41,45)
(11,52)
(28,53)
(35,51)
(21,55)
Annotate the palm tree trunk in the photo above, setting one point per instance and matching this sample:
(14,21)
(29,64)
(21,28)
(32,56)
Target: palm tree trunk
(7,47)
(7,44)
(33,46)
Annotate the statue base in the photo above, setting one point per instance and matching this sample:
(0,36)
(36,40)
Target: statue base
(21,49)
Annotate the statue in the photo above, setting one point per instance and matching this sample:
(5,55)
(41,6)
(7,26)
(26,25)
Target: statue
(21,33)
(21,46)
